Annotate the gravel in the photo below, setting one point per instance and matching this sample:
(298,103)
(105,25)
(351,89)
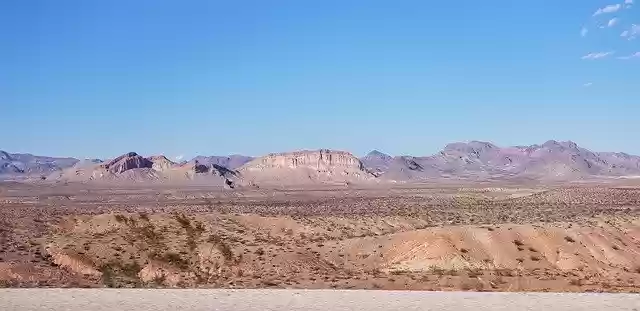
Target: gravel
(324,300)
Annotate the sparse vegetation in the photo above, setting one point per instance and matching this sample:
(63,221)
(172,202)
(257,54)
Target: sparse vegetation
(347,241)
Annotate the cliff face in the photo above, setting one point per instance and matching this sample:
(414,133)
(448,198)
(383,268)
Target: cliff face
(322,159)
(324,166)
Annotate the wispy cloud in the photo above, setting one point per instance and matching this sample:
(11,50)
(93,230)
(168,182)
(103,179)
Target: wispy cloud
(588,84)
(179,158)
(597,55)
(634,55)
(632,32)
(612,8)
(628,3)
(584,31)
(612,22)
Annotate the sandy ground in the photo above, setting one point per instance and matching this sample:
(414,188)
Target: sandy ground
(246,300)
(499,239)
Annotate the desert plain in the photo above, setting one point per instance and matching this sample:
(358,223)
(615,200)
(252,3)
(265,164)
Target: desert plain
(581,237)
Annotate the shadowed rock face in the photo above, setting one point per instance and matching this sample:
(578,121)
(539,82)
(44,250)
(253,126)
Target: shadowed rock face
(231,162)
(126,162)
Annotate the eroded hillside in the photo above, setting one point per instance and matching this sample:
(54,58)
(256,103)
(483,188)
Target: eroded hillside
(499,239)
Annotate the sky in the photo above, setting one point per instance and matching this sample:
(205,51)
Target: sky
(96,79)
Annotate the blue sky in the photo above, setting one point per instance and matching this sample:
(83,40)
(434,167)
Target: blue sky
(100,78)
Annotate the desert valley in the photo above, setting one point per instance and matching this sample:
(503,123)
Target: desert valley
(475,216)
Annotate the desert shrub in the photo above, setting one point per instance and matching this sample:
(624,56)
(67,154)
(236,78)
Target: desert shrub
(183,220)
(144,216)
(120,218)
(171,258)
(131,270)
(569,239)
(518,242)
(107,276)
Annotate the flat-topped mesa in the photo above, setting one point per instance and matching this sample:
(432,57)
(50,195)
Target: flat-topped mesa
(321,160)
(307,166)
(126,162)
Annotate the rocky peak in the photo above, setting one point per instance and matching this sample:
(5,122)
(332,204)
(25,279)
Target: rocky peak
(378,154)
(126,162)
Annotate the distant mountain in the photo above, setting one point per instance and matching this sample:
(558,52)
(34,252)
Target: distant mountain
(475,159)
(552,160)
(231,162)
(377,162)
(132,167)
(19,165)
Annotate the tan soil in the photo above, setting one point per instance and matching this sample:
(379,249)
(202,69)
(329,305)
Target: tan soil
(564,239)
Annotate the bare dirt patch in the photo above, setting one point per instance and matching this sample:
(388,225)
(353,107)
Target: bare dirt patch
(429,238)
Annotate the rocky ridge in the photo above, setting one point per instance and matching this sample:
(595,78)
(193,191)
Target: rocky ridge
(323,165)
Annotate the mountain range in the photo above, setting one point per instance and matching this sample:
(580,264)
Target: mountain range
(552,160)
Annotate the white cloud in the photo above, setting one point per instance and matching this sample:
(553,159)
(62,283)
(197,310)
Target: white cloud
(628,1)
(597,55)
(612,8)
(588,84)
(632,32)
(612,22)
(584,31)
(634,55)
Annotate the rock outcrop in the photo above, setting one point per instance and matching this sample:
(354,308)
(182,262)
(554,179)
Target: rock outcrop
(324,166)
(126,162)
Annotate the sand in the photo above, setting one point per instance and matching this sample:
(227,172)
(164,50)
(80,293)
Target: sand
(246,300)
